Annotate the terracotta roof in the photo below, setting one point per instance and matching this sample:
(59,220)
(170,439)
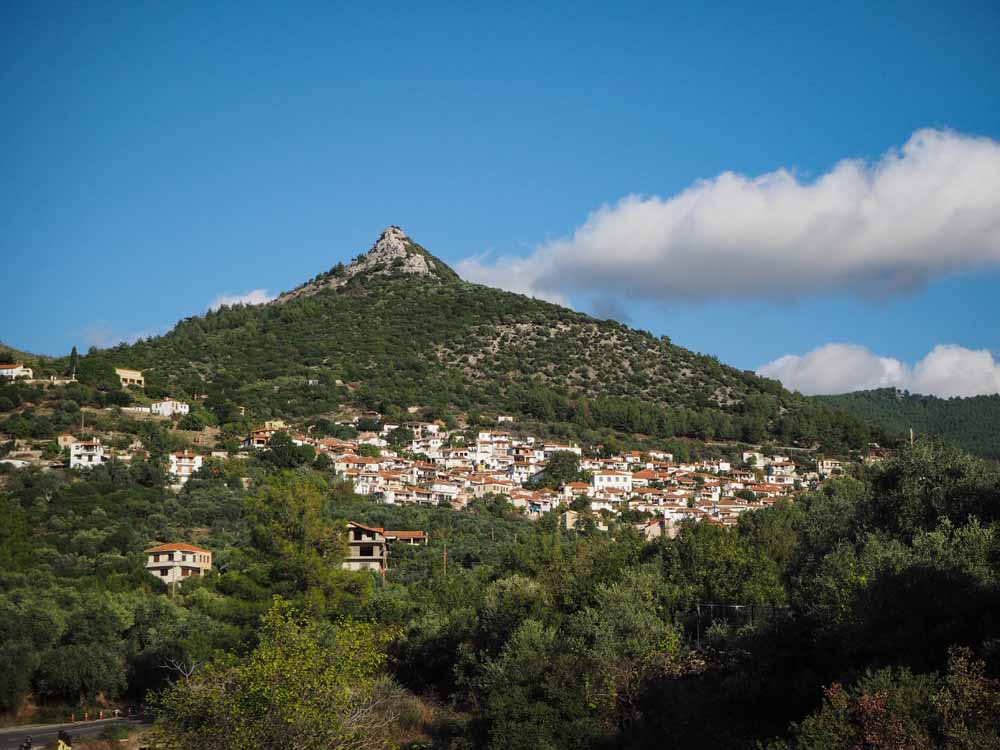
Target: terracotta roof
(407,534)
(177,546)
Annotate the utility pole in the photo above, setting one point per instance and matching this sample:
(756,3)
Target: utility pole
(911,437)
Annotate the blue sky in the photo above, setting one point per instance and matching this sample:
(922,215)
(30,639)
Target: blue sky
(158,155)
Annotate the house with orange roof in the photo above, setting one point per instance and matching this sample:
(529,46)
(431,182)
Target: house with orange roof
(15,371)
(259,438)
(411,538)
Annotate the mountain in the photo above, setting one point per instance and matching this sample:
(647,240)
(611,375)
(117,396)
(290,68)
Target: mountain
(397,328)
(971,423)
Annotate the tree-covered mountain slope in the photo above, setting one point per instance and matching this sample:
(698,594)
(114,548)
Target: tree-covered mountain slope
(972,423)
(398,328)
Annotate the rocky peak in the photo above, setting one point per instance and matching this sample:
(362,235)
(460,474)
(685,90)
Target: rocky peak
(393,254)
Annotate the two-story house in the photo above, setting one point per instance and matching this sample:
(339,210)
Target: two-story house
(827,467)
(174,562)
(611,479)
(130,377)
(86,454)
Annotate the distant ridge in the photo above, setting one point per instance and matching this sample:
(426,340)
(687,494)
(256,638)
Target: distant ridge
(972,423)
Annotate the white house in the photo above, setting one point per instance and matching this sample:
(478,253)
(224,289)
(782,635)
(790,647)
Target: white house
(445,492)
(608,479)
(781,468)
(828,467)
(86,454)
(13,371)
(550,448)
(172,563)
(661,456)
(168,407)
(184,464)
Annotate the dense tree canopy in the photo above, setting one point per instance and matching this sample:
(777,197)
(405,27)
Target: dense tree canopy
(870,605)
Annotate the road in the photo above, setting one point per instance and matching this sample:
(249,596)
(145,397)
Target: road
(44,735)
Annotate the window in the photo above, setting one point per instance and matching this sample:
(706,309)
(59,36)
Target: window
(368,551)
(164,571)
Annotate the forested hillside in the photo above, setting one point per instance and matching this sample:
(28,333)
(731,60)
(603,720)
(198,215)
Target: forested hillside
(398,329)
(868,609)
(972,423)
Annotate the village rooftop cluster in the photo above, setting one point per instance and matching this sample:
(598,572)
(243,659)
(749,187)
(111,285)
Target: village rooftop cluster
(439,467)
(451,468)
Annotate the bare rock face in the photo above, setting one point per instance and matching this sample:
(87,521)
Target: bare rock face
(393,254)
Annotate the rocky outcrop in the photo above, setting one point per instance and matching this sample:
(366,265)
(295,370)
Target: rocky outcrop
(393,254)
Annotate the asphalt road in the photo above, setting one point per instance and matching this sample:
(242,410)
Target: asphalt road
(44,735)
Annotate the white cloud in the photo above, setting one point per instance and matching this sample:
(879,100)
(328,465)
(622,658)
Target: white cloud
(509,272)
(947,371)
(919,212)
(253,297)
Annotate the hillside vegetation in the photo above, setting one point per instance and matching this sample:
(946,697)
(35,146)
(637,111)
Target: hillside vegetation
(864,610)
(971,423)
(397,329)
